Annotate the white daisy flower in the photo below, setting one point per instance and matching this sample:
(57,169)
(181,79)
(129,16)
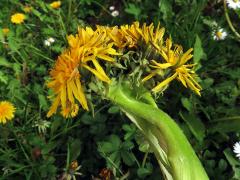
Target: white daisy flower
(115,13)
(233,4)
(49,41)
(52,40)
(219,34)
(236,149)
(111,8)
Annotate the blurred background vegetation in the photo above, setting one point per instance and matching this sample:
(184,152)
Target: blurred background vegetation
(104,142)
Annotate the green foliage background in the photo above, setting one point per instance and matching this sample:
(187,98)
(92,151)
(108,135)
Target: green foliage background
(105,138)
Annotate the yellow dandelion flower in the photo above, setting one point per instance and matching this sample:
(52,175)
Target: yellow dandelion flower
(91,46)
(176,61)
(18,18)
(6,111)
(65,83)
(85,50)
(55,4)
(131,34)
(27,9)
(152,35)
(5,31)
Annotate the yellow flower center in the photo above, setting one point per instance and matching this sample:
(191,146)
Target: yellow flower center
(219,34)
(235,1)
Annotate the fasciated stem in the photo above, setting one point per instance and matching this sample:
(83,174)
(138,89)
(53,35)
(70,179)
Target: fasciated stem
(174,153)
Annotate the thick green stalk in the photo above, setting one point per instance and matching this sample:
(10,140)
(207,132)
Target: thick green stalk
(174,153)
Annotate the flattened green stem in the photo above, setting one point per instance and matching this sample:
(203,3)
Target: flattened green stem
(182,162)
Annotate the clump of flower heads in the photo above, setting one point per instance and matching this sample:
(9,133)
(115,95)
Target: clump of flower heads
(91,48)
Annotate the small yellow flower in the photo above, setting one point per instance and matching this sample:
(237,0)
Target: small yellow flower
(74,165)
(55,4)
(70,111)
(27,9)
(175,61)
(5,31)
(18,18)
(6,111)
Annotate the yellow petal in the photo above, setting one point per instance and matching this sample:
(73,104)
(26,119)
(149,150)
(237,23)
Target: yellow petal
(164,55)
(97,74)
(182,79)
(70,93)
(54,106)
(169,44)
(105,57)
(149,76)
(191,86)
(161,65)
(186,56)
(81,95)
(77,93)
(164,83)
(63,97)
(194,81)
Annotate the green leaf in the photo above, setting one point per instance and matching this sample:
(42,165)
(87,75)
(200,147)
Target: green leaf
(75,149)
(225,125)
(143,172)
(49,147)
(198,52)
(3,78)
(106,147)
(222,165)
(115,140)
(113,110)
(127,145)
(55,125)
(134,10)
(207,83)
(110,146)
(165,6)
(43,102)
(1,36)
(195,125)
(130,131)
(13,45)
(186,103)
(116,159)
(4,62)
(233,162)
(128,158)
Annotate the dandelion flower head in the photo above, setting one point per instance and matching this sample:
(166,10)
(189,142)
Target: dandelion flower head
(55,4)
(175,60)
(6,111)
(18,18)
(27,9)
(5,31)
(85,51)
